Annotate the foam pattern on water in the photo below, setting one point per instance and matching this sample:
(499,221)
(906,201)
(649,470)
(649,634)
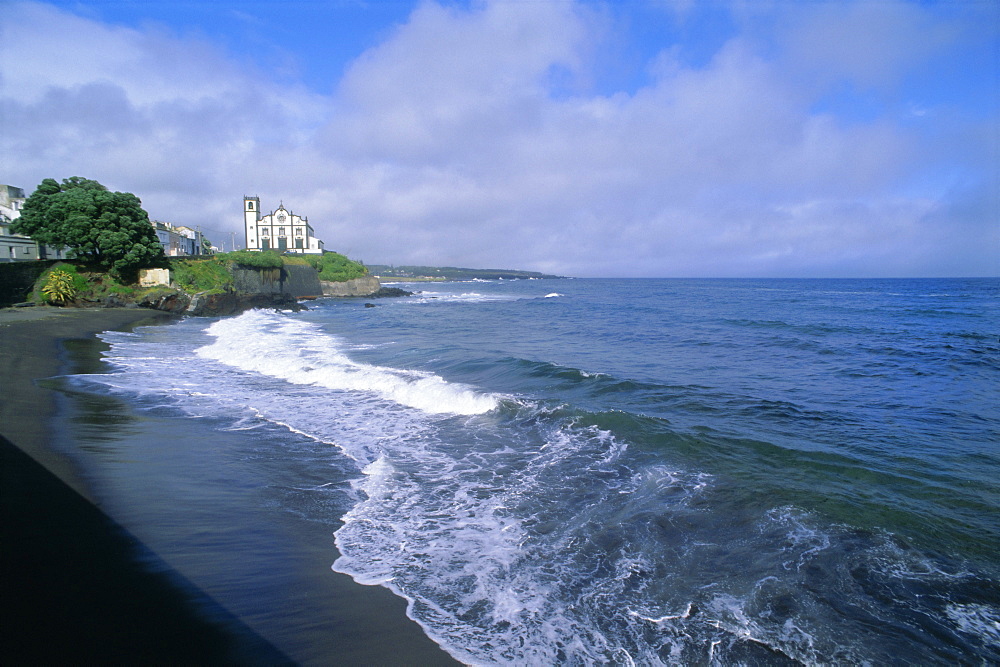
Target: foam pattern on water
(275,345)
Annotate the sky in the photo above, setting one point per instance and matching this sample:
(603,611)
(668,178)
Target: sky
(636,138)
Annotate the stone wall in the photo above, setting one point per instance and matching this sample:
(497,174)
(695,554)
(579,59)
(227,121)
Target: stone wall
(153,277)
(364,286)
(17,280)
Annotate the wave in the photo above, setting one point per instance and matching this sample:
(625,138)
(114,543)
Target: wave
(459,297)
(298,352)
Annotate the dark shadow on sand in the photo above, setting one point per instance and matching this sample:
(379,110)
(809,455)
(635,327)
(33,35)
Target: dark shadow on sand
(76,588)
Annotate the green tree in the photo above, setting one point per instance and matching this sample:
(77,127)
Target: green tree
(110,229)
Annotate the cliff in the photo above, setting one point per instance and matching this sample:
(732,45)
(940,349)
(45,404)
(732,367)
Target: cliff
(295,280)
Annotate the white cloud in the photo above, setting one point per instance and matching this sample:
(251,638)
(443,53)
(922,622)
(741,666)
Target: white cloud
(456,141)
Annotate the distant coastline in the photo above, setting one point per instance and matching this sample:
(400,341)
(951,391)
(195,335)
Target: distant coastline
(438,273)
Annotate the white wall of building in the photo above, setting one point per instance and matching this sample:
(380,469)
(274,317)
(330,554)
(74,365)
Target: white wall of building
(279,230)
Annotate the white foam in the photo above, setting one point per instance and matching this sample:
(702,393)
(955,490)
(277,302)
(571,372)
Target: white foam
(461,297)
(298,352)
(977,619)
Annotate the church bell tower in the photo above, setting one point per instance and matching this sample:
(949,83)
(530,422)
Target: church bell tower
(251,215)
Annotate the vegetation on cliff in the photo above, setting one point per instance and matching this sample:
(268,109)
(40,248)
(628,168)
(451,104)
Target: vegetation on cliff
(77,283)
(336,268)
(212,273)
(205,274)
(260,260)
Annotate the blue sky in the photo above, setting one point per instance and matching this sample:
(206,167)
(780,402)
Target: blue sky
(588,138)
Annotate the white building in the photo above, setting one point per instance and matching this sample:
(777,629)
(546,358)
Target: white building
(279,230)
(177,240)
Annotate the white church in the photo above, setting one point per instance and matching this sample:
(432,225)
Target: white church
(279,230)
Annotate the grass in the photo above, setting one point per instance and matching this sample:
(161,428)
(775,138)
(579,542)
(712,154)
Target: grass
(334,267)
(201,275)
(261,260)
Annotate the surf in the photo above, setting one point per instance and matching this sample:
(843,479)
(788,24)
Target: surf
(275,345)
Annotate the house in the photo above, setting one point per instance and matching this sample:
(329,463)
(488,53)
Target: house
(279,230)
(177,240)
(17,247)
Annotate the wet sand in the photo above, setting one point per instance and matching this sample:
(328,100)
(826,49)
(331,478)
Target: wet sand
(78,587)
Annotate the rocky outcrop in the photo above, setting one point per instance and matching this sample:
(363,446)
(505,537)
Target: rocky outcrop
(363,286)
(218,304)
(390,291)
(368,286)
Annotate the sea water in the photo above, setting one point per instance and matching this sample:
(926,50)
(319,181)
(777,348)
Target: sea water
(634,471)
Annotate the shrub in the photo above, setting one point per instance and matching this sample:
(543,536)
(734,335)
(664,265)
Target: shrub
(59,286)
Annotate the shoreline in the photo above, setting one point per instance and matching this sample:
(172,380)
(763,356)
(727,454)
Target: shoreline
(32,348)
(78,585)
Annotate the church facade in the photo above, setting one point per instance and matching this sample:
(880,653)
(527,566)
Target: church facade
(279,230)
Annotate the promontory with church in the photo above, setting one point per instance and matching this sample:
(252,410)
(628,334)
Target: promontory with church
(76,243)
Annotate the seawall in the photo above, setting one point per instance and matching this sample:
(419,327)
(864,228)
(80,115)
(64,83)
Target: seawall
(17,279)
(363,286)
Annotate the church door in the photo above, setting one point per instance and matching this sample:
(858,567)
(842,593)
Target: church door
(282,244)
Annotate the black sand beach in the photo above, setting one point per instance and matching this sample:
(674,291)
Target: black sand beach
(79,587)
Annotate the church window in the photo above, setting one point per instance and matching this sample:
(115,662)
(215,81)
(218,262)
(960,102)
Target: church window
(249,205)
(298,231)
(264,231)
(281,231)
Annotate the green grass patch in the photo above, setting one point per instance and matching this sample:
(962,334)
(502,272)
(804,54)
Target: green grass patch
(261,260)
(334,267)
(202,275)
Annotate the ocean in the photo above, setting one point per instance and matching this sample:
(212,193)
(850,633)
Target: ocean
(583,471)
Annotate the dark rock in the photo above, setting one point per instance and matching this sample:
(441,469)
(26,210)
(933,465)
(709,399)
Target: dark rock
(370,305)
(218,304)
(385,292)
(115,301)
(171,302)
(232,303)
